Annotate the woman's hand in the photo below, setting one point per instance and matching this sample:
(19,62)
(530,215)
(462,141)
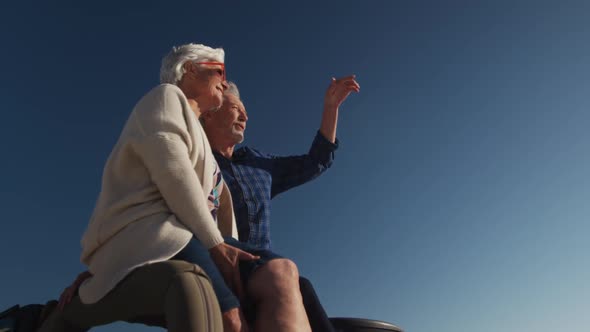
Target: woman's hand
(227,259)
(68,294)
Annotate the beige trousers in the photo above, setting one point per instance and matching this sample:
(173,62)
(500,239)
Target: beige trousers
(174,294)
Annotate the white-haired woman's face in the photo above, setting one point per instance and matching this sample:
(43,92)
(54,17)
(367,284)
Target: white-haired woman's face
(209,85)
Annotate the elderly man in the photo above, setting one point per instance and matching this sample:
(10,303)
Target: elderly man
(255,178)
(161,209)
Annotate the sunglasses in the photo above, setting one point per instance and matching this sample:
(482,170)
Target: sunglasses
(215,64)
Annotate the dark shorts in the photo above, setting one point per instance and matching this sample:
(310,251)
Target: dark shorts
(248,267)
(194,252)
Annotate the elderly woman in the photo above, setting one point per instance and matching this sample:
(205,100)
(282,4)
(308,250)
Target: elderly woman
(161,191)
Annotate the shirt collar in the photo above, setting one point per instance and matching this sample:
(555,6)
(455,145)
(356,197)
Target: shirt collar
(238,154)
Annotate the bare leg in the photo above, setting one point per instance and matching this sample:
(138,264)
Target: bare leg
(274,287)
(234,321)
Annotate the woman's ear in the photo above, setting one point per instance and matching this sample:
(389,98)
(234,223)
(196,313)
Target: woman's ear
(188,67)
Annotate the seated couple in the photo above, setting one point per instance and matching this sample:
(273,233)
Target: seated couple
(180,235)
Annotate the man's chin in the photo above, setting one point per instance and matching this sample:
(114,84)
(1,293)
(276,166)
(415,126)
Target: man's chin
(238,138)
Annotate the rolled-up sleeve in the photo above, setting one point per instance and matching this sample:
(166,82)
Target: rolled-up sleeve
(292,171)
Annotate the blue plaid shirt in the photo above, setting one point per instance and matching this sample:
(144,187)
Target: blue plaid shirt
(254,178)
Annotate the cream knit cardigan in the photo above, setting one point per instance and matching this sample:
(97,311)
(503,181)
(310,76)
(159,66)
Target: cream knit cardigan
(154,193)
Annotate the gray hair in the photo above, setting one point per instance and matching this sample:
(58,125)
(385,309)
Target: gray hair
(172,69)
(232,89)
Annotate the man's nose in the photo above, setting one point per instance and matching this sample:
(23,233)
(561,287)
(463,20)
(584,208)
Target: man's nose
(224,85)
(243,116)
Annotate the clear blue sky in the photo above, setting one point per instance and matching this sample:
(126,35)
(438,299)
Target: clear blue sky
(458,200)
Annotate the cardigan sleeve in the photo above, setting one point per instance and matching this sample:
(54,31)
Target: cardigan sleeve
(164,148)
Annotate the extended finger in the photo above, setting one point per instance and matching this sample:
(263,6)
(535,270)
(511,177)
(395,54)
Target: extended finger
(353,88)
(347,81)
(351,84)
(245,256)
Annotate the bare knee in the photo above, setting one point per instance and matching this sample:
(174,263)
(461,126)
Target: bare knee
(278,276)
(280,269)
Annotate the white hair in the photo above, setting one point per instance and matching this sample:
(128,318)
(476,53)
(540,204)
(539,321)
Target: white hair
(172,69)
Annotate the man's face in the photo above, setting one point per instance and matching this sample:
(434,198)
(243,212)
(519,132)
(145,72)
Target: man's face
(209,85)
(230,121)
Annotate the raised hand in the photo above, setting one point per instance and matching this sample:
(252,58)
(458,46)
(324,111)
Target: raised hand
(336,94)
(339,90)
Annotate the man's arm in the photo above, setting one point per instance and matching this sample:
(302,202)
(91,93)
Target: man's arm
(289,172)
(337,92)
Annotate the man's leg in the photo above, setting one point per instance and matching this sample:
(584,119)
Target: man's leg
(274,288)
(175,294)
